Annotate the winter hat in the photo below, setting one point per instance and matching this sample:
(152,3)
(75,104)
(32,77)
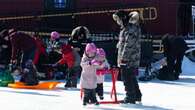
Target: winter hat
(11,31)
(80,30)
(134,17)
(66,48)
(121,15)
(90,47)
(55,35)
(101,52)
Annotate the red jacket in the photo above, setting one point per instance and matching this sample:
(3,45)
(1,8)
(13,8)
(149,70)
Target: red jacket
(67,57)
(40,50)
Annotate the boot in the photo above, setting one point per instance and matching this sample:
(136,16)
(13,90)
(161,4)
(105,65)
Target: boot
(138,94)
(74,83)
(127,100)
(129,81)
(101,97)
(85,100)
(86,97)
(93,97)
(68,84)
(100,91)
(138,98)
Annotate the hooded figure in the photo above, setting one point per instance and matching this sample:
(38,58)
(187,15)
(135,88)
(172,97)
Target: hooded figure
(104,65)
(129,52)
(79,38)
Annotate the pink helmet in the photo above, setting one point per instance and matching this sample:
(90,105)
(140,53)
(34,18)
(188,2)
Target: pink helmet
(101,52)
(55,35)
(90,48)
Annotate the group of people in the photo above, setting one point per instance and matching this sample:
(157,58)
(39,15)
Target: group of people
(80,55)
(24,47)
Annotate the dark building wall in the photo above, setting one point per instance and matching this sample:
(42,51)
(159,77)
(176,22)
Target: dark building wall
(21,7)
(164,23)
(171,15)
(167,18)
(94,4)
(185,16)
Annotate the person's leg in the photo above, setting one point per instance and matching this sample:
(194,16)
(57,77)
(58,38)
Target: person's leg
(123,76)
(27,55)
(100,90)
(170,63)
(74,76)
(178,64)
(93,97)
(24,58)
(68,79)
(137,90)
(171,58)
(128,79)
(86,96)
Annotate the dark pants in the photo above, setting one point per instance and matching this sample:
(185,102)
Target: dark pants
(89,96)
(130,82)
(72,76)
(174,63)
(27,55)
(100,89)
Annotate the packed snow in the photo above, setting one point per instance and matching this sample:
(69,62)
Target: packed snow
(157,95)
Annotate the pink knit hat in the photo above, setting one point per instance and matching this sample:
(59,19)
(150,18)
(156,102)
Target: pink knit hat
(90,48)
(55,35)
(101,52)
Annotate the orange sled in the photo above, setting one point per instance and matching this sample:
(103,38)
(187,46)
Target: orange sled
(41,85)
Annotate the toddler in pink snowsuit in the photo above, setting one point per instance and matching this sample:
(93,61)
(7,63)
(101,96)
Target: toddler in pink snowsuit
(104,65)
(88,80)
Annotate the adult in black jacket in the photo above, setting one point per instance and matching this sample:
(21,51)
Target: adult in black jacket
(174,50)
(79,38)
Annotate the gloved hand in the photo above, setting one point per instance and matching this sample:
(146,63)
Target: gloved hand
(54,65)
(102,71)
(95,62)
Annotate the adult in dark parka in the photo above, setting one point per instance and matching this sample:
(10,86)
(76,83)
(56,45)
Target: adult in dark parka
(174,50)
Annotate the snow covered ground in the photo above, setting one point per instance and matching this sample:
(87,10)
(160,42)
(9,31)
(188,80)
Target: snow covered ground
(157,95)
